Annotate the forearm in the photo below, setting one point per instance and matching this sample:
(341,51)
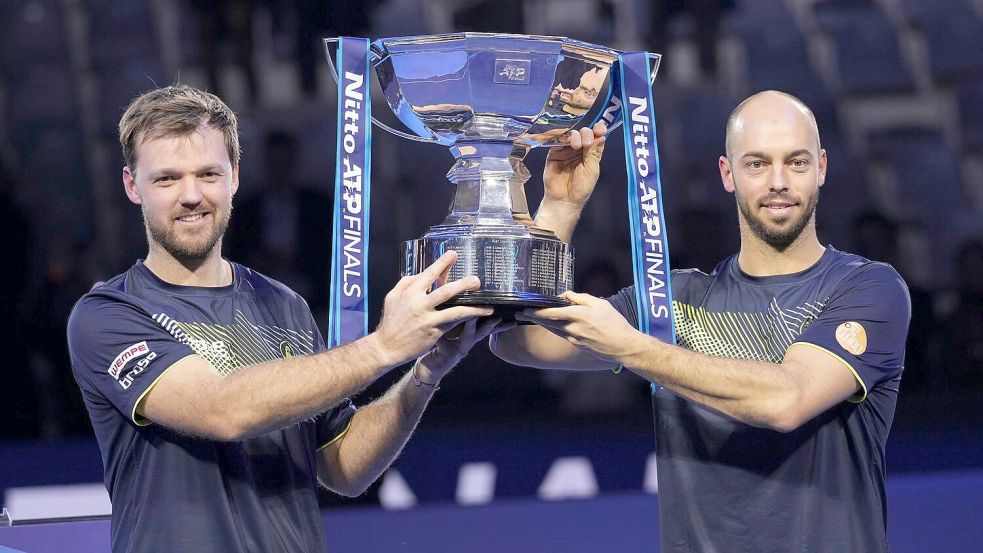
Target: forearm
(756,393)
(534,346)
(279,393)
(378,432)
(559,216)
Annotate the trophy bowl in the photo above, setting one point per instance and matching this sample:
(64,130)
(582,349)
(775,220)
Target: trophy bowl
(491,98)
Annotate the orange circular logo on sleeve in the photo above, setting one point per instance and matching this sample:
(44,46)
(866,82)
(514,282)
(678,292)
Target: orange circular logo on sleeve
(852,337)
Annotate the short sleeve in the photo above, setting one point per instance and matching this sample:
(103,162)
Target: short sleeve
(331,425)
(624,303)
(118,352)
(865,325)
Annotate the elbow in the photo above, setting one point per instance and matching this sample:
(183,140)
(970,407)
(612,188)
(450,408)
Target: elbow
(226,423)
(351,490)
(223,429)
(785,424)
(347,487)
(785,414)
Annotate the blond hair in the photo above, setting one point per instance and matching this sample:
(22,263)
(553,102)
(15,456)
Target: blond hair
(175,111)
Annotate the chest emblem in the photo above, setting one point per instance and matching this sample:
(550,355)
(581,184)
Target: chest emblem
(286,349)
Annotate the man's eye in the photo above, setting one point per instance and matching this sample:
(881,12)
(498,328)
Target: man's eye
(756,164)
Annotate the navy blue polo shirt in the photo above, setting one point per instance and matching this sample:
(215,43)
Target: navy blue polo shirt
(174,492)
(727,486)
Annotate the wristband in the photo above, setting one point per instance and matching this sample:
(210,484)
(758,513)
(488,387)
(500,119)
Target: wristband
(418,382)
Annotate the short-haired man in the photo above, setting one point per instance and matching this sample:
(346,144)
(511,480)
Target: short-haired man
(772,412)
(216,408)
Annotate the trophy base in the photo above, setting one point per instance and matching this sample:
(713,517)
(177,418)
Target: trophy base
(506,305)
(517,268)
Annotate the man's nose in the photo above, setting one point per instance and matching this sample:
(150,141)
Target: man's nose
(190,191)
(779,180)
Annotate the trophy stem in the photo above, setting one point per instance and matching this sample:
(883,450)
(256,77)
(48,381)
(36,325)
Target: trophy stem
(490,228)
(489,191)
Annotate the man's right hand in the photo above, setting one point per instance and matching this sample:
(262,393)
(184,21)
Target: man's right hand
(569,179)
(411,323)
(571,172)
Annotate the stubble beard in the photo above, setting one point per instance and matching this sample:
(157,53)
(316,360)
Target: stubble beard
(777,237)
(185,249)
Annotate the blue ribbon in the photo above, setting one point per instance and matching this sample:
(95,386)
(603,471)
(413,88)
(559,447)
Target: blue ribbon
(649,245)
(348,311)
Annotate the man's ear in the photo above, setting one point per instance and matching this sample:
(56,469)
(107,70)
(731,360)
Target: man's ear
(130,186)
(235,179)
(726,175)
(822,167)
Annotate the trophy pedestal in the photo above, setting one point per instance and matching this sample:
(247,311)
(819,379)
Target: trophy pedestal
(506,306)
(519,266)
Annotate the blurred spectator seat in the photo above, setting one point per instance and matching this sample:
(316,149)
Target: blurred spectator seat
(953,33)
(31,33)
(845,193)
(970,100)
(919,11)
(120,32)
(699,120)
(868,59)
(928,179)
(747,15)
(41,95)
(777,58)
(54,172)
(119,85)
(927,170)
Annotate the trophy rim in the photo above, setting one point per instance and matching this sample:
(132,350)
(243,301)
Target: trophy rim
(387,48)
(383,44)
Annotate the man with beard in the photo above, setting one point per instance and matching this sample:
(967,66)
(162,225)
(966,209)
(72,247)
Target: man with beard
(216,407)
(773,410)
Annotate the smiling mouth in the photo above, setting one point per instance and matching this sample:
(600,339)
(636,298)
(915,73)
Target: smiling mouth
(192,218)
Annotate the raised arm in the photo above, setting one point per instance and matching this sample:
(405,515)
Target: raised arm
(569,179)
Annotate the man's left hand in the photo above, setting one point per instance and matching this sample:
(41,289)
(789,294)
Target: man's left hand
(453,346)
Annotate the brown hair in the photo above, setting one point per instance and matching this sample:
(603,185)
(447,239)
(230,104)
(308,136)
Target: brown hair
(175,110)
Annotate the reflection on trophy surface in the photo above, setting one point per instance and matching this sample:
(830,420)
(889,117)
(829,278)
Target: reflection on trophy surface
(578,100)
(491,98)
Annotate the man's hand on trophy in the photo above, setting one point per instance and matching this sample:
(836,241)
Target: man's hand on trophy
(571,171)
(453,346)
(411,323)
(591,325)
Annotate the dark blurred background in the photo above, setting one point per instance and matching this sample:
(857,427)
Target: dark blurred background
(896,86)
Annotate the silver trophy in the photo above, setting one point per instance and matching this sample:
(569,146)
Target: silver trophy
(491,98)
